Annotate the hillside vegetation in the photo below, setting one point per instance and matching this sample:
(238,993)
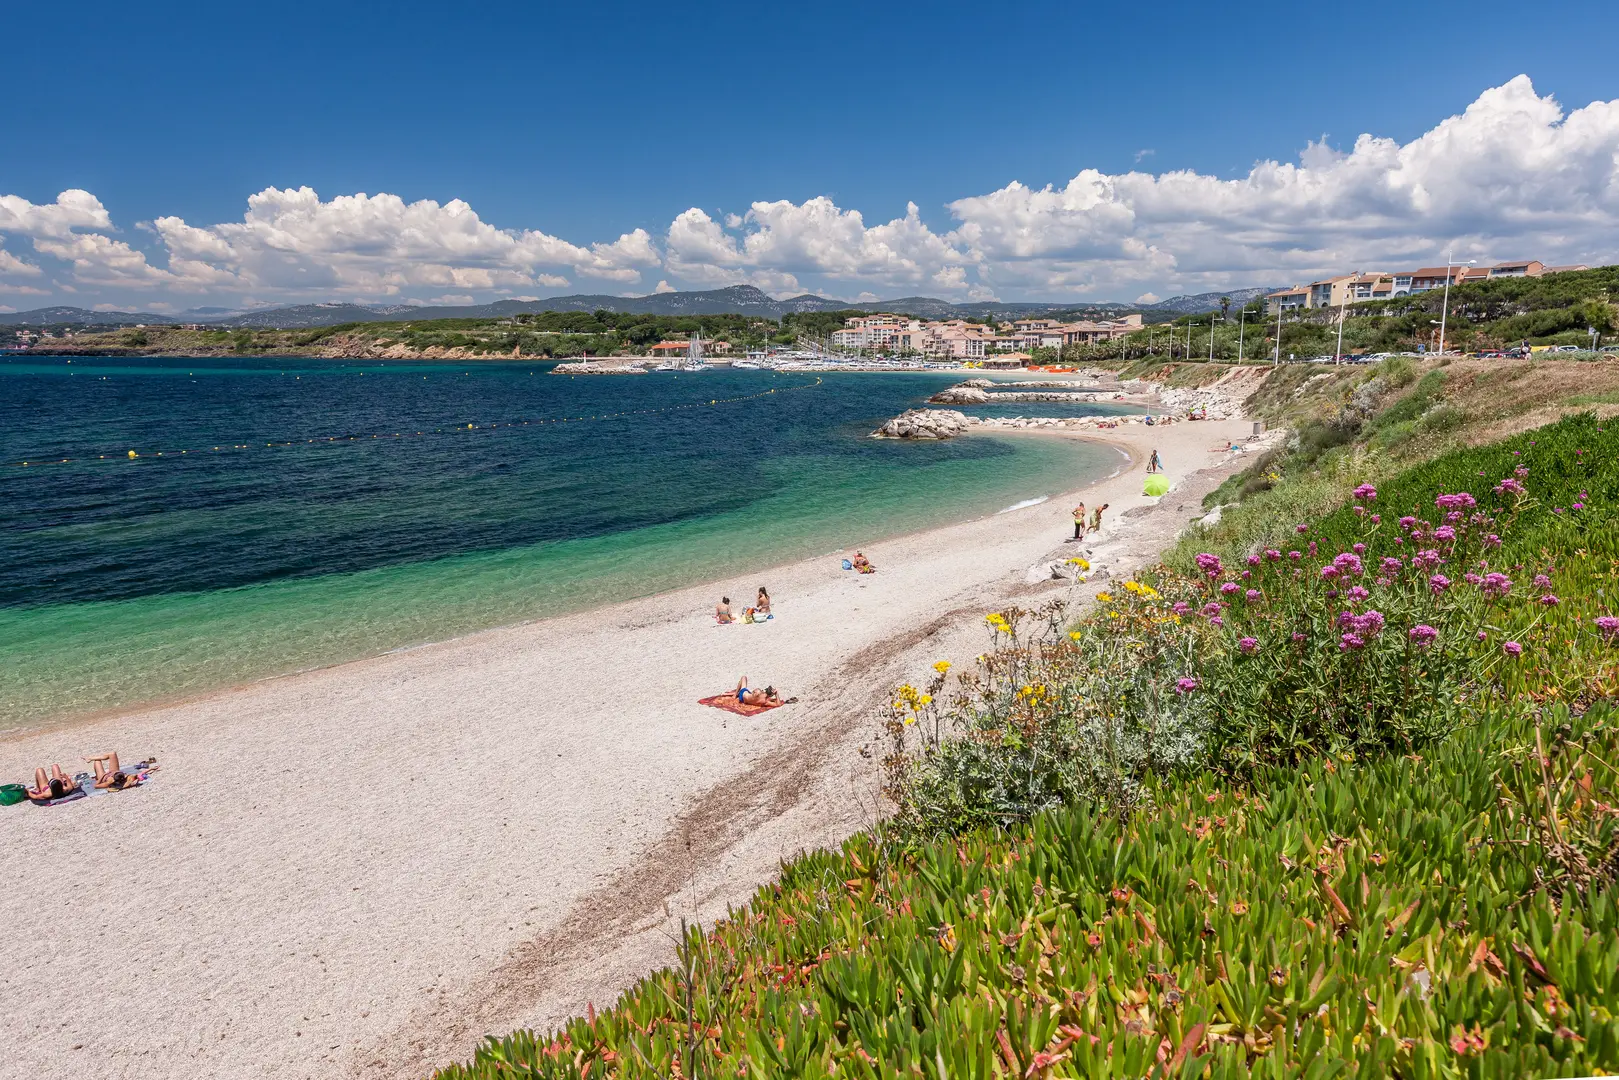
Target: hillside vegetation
(541,335)
(1331,791)
(1556,309)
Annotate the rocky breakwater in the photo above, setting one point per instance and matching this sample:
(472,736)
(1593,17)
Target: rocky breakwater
(599,367)
(924,424)
(1063,423)
(973,393)
(961,395)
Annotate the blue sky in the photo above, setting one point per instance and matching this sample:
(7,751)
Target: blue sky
(583,124)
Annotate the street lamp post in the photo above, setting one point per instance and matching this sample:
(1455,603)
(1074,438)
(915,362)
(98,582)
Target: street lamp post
(1278,359)
(1211,338)
(1242,324)
(1444,309)
(1343,309)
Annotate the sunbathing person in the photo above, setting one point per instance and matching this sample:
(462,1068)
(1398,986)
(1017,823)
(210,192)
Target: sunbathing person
(761,606)
(722,611)
(862,564)
(767,696)
(54,786)
(108,775)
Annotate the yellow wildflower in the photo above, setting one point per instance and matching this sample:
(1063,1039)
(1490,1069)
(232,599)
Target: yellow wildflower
(1106,598)
(942,666)
(1073,635)
(1083,564)
(926,699)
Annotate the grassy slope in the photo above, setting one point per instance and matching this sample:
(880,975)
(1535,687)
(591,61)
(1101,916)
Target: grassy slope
(1403,915)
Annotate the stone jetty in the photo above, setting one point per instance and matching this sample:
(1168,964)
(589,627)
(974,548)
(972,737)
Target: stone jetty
(924,424)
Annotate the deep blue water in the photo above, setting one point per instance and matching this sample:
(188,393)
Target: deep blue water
(282,513)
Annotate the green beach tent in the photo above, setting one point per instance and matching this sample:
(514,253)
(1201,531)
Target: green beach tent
(1156,484)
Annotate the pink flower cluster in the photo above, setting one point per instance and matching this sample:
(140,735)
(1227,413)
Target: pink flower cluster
(1459,501)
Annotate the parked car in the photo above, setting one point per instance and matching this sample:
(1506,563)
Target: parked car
(1489,354)
(1610,348)
(1566,348)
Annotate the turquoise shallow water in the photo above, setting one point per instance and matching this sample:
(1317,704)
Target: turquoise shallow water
(377,518)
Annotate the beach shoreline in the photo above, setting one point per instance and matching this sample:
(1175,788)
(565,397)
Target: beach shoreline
(147,706)
(360,870)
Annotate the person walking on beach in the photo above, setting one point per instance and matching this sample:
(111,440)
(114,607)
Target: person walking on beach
(1096,518)
(1079,522)
(1155,463)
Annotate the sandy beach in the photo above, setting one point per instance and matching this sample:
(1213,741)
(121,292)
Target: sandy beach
(361,870)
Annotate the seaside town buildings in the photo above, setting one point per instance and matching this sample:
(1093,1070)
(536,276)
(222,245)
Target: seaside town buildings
(957,339)
(1381,284)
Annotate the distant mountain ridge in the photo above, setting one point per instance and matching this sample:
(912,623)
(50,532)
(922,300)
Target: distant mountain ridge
(735,300)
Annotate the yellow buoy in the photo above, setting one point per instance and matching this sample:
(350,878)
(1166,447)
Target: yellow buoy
(133,454)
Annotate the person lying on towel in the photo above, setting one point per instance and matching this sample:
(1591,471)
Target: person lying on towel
(54,786)
(767,696)
(862,564)
(109,775)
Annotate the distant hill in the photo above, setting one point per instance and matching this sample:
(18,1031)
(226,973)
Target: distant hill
(76,316)
(1209,301)
(735,300)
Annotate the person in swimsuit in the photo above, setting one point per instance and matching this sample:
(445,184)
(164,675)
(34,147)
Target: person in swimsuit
(108,774)
(722,611)
(1155,463)
(1079,521)
(861,563)
(1096,517)
(767,696)
(52,786)
(761,606)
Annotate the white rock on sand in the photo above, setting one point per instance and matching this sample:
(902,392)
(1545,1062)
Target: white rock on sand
(360,871)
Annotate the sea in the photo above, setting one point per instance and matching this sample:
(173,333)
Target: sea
(173,526)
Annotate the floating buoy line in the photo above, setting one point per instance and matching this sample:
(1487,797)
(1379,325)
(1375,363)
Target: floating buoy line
(132,455)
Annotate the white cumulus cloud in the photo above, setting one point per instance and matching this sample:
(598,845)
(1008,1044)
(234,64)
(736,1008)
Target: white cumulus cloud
(1515,175)
(379,245)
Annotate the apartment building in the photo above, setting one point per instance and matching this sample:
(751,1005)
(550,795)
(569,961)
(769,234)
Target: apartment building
(1380,285)
(962,340)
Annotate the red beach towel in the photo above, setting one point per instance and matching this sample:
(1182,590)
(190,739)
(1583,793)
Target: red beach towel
(729,703)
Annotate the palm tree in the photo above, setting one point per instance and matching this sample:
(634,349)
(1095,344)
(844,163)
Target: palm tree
(1225,307)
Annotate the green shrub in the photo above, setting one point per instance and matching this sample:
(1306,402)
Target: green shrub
(1397,371)
(1442,418)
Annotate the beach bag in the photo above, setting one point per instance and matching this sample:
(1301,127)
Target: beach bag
(1156,485)
(847,565)
(12,794)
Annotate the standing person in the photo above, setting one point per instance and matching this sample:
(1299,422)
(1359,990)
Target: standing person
(1079,522)
(1096,518)
(1155,463)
